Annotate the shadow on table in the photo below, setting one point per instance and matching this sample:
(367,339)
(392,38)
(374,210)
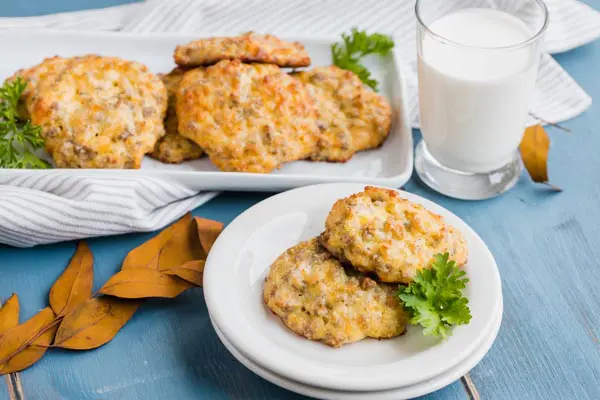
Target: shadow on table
(210,365)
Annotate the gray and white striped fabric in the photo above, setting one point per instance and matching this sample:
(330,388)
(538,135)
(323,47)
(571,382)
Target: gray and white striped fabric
(104,19)
(52,206)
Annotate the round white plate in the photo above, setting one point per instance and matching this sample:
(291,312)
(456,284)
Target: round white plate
(233,282)
(406,392)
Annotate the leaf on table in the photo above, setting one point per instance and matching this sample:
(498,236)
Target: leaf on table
(9,314)
(74,286)
(190,271)
(183,246)
(94,323)
(165,266)
(178,251)
(31,354)
(147,255)
(137,283)
(23,345)
(534,149)
(208,231)
(13,339)
(185,254)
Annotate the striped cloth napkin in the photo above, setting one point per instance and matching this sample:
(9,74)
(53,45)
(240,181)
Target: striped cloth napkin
(53,207)
(103,19)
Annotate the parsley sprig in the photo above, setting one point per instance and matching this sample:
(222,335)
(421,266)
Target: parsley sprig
(355,47)
(18,137)
(434,299)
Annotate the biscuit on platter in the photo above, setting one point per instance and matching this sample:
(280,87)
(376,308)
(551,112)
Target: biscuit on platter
(101,112)
(247,117)
(249,47)
(174,148)
(48,69)
(351,117)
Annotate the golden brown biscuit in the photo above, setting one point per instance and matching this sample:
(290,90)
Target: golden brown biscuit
(174,148)
(379,231)
(249,47)
(351,116)
(247,117)
(49,69)
(101,112)
(316,298)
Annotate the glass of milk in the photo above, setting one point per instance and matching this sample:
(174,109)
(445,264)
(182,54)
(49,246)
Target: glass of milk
(477,66)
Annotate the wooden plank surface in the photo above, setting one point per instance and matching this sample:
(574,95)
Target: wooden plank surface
(546,246)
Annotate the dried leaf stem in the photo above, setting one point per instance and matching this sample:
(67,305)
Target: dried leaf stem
(554,124)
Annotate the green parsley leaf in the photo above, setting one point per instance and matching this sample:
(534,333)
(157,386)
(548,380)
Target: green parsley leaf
(434,298)
(18,137)
(355,47)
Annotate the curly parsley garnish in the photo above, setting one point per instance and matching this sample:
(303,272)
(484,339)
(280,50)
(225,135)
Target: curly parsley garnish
(434,299)
(18,137)
(356,46)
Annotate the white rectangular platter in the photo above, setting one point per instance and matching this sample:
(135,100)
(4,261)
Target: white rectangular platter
(390,165)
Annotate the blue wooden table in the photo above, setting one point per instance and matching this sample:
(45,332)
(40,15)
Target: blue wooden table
(546,246)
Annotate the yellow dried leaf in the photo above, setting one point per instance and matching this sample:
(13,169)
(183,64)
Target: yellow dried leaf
(94,323)
(30,354)
(24,344)
(13,339)
(208,231)
(534,149)
(9,314)
(190,271)
(165,266)
(137,283)
(183,246)
(147,255)
(179,251)
(74,286)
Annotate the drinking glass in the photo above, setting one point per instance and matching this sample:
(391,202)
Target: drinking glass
(477,67)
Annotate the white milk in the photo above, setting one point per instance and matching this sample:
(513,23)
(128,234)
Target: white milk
(473,101)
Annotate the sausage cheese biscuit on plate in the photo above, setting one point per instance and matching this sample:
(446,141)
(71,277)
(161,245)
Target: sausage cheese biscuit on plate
(101,112)
(174,148)
(48,69)
(351,116)
(247,117)
(378,231)
(316,298)
(249,47)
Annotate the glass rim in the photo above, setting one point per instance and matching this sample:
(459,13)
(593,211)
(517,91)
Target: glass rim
(519,45)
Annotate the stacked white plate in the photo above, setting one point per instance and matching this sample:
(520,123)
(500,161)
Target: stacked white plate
(403,367)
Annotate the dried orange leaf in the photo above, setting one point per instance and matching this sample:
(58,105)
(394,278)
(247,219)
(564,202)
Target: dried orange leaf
(148,254)
(208,231)
(33,333)
(177,255)
(190,271)
(74,286)
(13,339)
(30,354)
(137,283)
(9,314)
(534,149)
(94,323)
(184,246)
